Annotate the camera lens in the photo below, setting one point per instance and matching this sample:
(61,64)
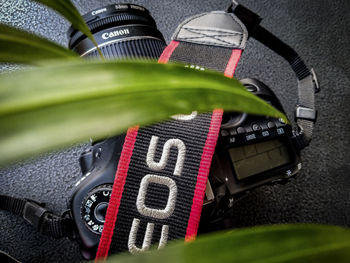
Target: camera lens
(120,30)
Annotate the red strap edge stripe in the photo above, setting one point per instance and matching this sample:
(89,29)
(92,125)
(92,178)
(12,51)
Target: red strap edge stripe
(121,174)
(117,191)
(123,166)
(232,62)
(164,58)
(207,156)
(203,172)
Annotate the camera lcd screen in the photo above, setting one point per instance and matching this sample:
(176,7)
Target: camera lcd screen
(256,158)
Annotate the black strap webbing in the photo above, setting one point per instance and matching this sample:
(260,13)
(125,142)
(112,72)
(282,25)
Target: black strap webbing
(271,41)
(35,214)
(305,113)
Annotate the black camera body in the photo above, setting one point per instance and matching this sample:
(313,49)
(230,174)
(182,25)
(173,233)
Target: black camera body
(265,136)
(251,150)
(98,165)
(255,149)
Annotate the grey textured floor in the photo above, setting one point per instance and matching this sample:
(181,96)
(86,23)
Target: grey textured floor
(319,30)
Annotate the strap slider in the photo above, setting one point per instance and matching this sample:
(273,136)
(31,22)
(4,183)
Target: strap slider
(305,113)
(315,81)
(298,138)
(33,213)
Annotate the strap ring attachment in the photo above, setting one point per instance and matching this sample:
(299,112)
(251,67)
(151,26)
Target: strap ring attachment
(33,212)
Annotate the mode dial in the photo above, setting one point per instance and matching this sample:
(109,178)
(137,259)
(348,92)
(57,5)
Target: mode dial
(94,208)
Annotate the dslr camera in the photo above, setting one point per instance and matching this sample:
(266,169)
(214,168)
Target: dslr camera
(251,150)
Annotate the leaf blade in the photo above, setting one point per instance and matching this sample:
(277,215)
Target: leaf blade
(273,244)
(19,46)
(69,11)
(78,100)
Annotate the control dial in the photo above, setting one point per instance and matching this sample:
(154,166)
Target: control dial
(94,208)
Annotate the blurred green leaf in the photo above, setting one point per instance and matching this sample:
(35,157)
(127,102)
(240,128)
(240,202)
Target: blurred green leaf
(48,107)
(68,10)
(268,244)
(18,46)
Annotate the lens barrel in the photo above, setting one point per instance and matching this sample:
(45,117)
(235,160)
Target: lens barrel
(121,31)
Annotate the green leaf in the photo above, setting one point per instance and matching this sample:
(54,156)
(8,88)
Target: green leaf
(269,244)
(44,108)
(68,10)
(18,46)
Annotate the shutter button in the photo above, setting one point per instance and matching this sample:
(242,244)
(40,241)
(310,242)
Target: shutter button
(256,127)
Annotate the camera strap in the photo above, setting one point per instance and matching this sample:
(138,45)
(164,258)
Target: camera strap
(162,173)
(305,112)
(35,214)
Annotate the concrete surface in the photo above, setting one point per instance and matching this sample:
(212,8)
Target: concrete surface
(318,30)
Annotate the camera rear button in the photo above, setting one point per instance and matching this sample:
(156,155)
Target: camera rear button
(256,127)
(282,121)
(233,132)
(224,133)
(240,130)
(271,124)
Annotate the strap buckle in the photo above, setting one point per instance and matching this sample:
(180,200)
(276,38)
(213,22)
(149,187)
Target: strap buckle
(233,5)
(305,113)
(298,138)
(315,81)
(33,212)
